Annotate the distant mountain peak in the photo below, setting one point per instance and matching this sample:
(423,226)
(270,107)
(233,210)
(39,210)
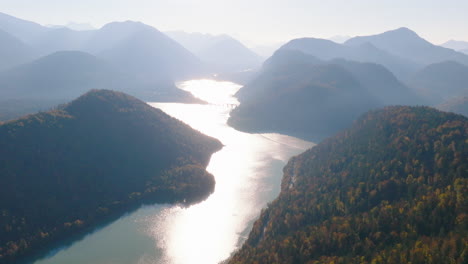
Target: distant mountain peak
(127,25)
(403,32)
(405,43)
(404,29)
(457,45)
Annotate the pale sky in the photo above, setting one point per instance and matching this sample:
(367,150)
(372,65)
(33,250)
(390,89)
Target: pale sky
(260,21)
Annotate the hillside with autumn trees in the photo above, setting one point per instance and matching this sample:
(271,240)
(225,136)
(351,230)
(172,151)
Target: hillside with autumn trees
(65,171)
(391,189)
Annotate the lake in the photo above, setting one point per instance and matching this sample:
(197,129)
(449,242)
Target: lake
(248,173)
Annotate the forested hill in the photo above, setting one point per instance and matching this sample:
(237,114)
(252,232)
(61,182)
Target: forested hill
(391,189)
(64,171)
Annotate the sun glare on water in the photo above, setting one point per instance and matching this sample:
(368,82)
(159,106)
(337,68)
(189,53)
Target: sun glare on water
(213,92)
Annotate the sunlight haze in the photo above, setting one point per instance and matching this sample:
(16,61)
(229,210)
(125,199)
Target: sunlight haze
(260,22)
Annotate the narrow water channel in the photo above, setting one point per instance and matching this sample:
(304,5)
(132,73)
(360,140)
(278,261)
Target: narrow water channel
(248,173)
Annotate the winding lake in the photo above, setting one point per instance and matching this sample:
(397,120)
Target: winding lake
(248,173)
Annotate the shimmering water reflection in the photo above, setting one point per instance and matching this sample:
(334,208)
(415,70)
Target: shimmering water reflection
(248,173)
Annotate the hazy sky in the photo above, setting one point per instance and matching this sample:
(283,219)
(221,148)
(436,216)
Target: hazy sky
(260,21)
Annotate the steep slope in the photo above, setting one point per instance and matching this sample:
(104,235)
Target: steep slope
(302,99)
(111,34)
(62,76)
(441,81)
(89,161)
(222,53)
(286,96)
(21,29)
(391,189)
(230,55)
(457,105)
(364,52)
(405,43)
(381,83)
(13,51)
(144,51)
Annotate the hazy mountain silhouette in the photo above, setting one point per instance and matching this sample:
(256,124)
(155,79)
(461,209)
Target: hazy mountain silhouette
(456,45)
(381,83)
(230,55)
(64,75)
(112,34)
(13,51)
(143,50)
(91,161)
(457,105)
(222,52)
(298,94)
(465,51)
(301,97)
(21,29)
(407,44)
(441,81)
(131,46)
(61,39)
(365,52)
(61,75)
(389,189)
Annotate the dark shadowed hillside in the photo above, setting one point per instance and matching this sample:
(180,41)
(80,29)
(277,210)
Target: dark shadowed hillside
(307,101)
(381,83)
(69,169)
(391,189)
(300,95)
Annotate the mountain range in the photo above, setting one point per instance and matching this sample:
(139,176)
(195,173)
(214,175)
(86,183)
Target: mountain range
(221,52)
(301,95)
(407,44)
(44,66)
(62,76)
(402,51)
(366,52)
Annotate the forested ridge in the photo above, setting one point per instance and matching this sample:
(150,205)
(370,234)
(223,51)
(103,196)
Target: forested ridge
(391,189)
(64,171)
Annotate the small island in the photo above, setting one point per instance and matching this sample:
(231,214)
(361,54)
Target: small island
(66,171)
